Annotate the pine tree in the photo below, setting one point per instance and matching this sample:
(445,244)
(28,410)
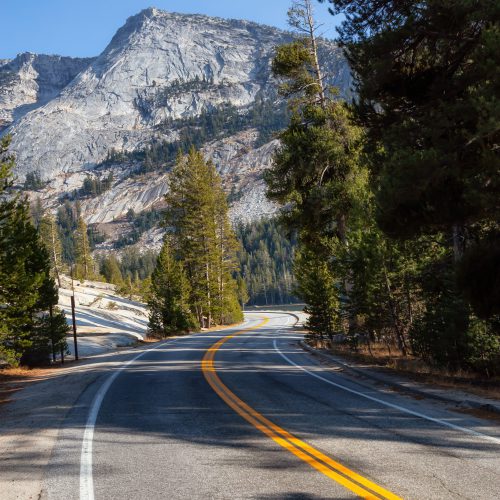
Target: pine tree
(227,306)
(27,291)
(110,269)
(169,296)
(84,269)
(49,233)
(319,159)
(203,239)
(318,287)
(427,76)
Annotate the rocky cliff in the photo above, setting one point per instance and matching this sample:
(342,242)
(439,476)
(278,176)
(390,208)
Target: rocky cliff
(31,80)
(159,71)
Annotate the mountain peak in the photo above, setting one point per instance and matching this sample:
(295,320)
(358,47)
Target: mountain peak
(160,71)
(151,11)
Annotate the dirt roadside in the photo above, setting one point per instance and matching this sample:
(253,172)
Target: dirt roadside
(30,420)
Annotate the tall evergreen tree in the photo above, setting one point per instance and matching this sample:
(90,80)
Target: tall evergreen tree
(28,294)
(318,287)
(169,297)
(203,239)
(84,268)
(49,233)
(427,77)
(319,157)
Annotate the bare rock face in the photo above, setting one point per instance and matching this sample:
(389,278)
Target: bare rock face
(65,115)
(30,81)
(158,66)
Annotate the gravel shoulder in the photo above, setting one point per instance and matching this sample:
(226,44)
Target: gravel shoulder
(31,420)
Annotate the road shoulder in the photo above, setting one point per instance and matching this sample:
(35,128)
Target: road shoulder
(459,399)
(31,419)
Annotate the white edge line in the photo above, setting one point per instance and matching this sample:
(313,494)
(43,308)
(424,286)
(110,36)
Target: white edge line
(86,476)
(390,405)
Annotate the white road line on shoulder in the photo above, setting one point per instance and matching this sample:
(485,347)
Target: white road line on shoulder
(86,475)
(390,405)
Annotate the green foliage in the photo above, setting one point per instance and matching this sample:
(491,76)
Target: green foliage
(427,77)
(67,222)
(136,264)
(447,333)
(94,186)
(266,257)
(314,174)
(268,117)
(140,223)
(313,170)
(294,62)
(47,339)
(49,233)
(84,263)
(27,291)
(421,171)
(203,240)
(318,287)
(320,150)
(170,292)
(110,269)
(67,217)
(33,181)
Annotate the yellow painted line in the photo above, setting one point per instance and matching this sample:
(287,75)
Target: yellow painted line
(299,448)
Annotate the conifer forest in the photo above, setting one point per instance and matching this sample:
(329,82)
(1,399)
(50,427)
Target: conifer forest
(250,250)
(388,230)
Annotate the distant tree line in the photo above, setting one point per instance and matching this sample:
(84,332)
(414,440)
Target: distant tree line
(266,262)
(33,181)
(68,219)
(141,222)
(268,117)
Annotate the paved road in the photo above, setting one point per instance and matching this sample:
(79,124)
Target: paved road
(245,413)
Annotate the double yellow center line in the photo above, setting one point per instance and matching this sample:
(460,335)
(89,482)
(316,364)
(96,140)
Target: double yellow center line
(354,482)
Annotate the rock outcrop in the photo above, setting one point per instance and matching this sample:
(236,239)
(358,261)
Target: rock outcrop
(31,80)
(159,68)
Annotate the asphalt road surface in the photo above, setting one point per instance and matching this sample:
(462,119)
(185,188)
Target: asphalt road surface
(245,413)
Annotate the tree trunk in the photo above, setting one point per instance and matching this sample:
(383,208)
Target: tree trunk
(458,242)
(51,315)
(207,277)
(314,53)
(395,321)
(54,252)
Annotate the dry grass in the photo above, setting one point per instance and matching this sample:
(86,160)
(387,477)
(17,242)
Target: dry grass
(378,354)
(148,340)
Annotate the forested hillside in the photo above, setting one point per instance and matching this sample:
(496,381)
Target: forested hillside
(266,262)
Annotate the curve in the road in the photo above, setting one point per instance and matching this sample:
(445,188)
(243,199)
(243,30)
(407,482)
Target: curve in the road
(351,480)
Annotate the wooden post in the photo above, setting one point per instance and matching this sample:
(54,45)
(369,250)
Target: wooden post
(73,315)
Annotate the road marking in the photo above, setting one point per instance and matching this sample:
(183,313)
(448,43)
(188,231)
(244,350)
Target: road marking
(86,475)
(315,458)
(390,405)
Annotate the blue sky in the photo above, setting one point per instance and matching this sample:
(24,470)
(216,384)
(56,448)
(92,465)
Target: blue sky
(84,27)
